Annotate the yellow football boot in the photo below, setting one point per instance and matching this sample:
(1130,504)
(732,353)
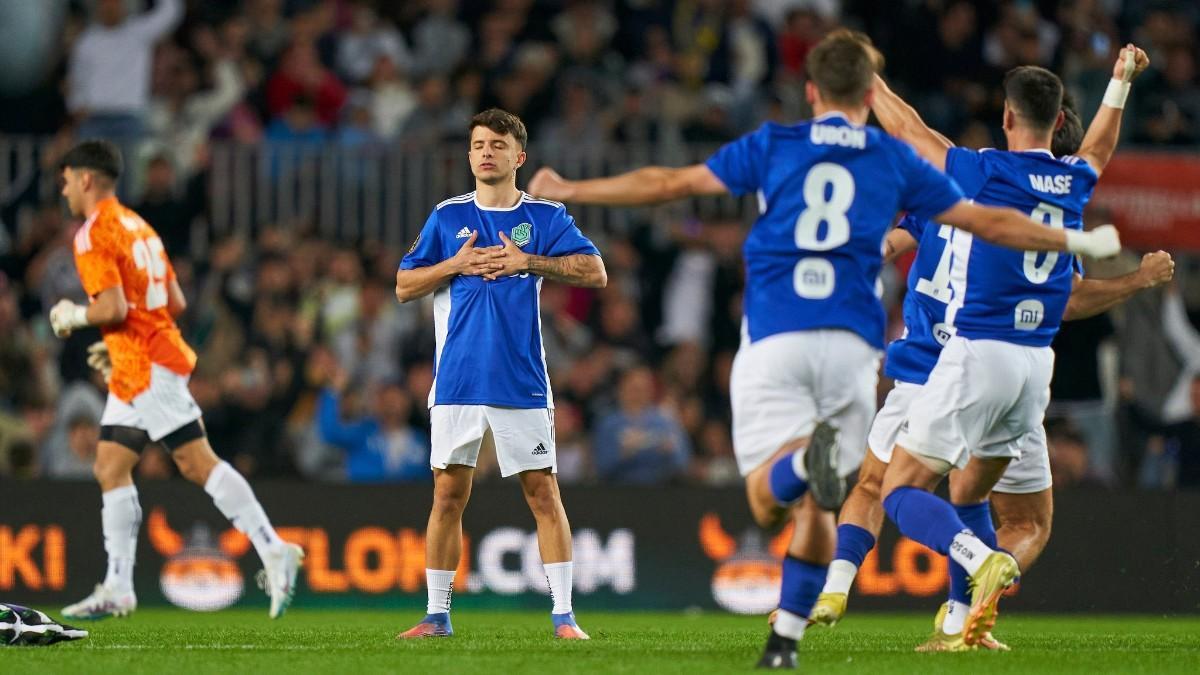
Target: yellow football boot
(987,585)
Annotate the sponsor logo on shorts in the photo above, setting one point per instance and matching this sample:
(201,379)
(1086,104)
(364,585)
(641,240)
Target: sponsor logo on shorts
(541,449)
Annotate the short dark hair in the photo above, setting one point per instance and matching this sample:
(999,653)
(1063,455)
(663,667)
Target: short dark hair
(501,122)
(843,66)
(97,155)
(1036,94)
(1069,136)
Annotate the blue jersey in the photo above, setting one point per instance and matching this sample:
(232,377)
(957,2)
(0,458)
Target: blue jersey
(828,191)
(913,356)
(1015,296)
(489,333)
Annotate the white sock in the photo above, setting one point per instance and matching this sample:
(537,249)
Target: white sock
(558,575)
(121,518)
(967,550)
(798,467)
(840,576)
(441,587)
(234,498)
(789,625)
(956,616)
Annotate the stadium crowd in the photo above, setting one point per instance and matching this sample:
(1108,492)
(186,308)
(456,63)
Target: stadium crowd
(308,366)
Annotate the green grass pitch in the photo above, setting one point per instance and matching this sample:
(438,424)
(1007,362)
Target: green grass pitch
(244,641)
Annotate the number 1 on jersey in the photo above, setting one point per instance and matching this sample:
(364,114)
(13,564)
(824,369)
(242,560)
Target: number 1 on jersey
(938,287)
(149,255)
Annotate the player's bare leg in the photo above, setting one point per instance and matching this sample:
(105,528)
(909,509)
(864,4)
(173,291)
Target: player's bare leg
(121,518)
(930,520)
(768,512)
(814,538)
(234,497)
(554,542)
(443,548)
(859,524)
(1024,524)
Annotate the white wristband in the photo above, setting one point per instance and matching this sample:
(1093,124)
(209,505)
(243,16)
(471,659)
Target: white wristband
(78,317)
(1115,95)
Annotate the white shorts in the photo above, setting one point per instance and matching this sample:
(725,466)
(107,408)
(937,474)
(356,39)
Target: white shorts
(984,396)
(1027,474)
(524,437)
(1030,472)
(165,406)
(886,426)
(781,386)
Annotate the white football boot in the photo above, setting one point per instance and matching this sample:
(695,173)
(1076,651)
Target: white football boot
(101,604)
(279,577)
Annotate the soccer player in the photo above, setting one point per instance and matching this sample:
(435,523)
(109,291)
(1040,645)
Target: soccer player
(985,398)
(1022,497)
(803,382)
(134,299)
(490,380)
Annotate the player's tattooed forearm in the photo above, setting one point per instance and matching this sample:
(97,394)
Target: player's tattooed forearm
(569,269)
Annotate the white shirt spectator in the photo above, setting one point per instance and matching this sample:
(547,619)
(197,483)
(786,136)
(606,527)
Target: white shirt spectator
(184,129)
(368,40)
(110,65)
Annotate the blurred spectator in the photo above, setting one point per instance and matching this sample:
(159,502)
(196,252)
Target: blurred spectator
(1076,395)
(182,116)
(1184,443)
(1068,455)
(637,443)
(380,446)
(440,41)
(301,77)
(369,39)
(391,98)
(269,31)
(570,440)
(170,215)
(109,81)
(1168,107)
(70,448)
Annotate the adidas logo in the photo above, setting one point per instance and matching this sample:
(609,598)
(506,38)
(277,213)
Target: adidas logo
(463,234)
(541,450)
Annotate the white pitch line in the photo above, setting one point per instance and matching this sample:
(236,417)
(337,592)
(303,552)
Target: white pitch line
(289,648)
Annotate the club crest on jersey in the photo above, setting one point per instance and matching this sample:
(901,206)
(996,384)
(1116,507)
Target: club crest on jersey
(521,234)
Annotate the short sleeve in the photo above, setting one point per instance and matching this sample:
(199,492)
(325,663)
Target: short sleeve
(96,259)
(927,191)
(427,250)
(914,226)
(566,237)
(968,168)
(740,164)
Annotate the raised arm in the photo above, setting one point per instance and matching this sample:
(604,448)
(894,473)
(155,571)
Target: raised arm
(1100,141)
(159,21)
(902,121)
(584,270)
(1096,296)
(649,185)
(1012,229)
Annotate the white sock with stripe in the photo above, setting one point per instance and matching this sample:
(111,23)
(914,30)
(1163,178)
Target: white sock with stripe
(120,518)
(440,584)
(235,499)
